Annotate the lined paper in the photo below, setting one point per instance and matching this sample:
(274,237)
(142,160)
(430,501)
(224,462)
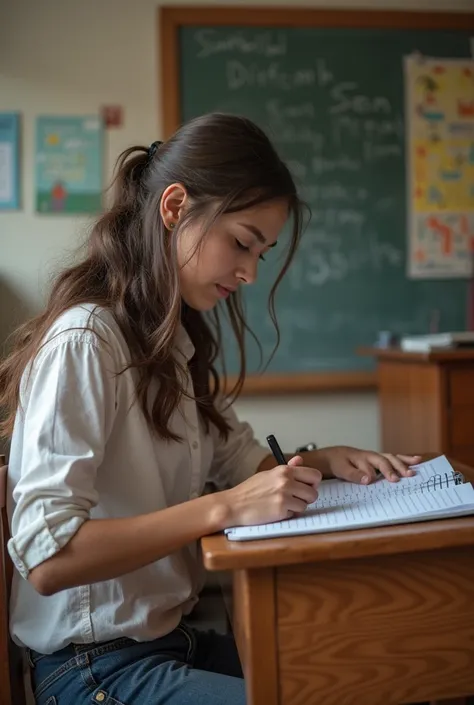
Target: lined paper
(342,505)
(334,491)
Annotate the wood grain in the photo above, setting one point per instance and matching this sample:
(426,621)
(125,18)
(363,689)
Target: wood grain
(5,691)
(221,554)
(465,454)
(395,353)
(411,410)
(395,629)
(254,624)
(362,618)
(461,425)
(301,17)
(12,685)
(461,386)
(426,401)
(460,412)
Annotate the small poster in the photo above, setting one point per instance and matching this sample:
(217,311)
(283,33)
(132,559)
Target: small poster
(9,161)
(69,164)
(440,151)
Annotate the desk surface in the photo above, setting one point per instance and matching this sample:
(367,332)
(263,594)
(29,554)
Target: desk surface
(221,554)
(440,355)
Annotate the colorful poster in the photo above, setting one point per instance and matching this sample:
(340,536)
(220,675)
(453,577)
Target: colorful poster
(440,151)
(9,161)
(69,164)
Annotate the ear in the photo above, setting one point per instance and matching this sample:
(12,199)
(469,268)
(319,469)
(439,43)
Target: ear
(173,202)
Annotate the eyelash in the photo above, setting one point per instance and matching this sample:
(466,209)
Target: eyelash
(243,247)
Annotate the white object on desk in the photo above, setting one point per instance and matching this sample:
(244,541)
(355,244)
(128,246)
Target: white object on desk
(432,493)
(425,343)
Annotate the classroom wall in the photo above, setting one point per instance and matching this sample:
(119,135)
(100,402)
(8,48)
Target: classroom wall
(72,56)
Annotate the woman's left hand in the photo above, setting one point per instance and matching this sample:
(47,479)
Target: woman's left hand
(360,466)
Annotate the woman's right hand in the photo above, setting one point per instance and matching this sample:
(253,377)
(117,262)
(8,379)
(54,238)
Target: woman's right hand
(272,495)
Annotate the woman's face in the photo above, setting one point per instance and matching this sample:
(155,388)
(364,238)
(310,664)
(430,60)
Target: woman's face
(213,266)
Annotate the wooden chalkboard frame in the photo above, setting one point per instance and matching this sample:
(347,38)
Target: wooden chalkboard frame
(171,19)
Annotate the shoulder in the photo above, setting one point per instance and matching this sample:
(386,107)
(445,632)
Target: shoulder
(86,325)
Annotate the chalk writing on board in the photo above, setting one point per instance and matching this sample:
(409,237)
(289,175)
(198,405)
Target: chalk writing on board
(266,43)
(337,217)
(384,204)
(347,100)
(372,151)
(333,191)
(281,111)
(339,125)
(329,325)
(292,134)
(328,258)
(320,165)
(355,127)
(240,75)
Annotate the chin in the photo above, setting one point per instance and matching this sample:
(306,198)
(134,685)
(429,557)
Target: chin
(201,305)
(204,306)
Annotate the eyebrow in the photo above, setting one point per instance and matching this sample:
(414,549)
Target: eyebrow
(257,233)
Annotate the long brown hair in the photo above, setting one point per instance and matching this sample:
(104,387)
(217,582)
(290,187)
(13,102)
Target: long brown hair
(226,163)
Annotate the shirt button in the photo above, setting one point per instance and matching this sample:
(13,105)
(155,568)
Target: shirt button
(100,696)
(195,445)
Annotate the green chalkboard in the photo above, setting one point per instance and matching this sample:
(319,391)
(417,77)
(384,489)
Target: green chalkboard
(332,100)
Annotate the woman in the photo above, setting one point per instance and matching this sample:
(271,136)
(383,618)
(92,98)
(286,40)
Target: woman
(118,423)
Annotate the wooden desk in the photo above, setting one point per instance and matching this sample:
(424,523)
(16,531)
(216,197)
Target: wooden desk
(426,401)
(370,617)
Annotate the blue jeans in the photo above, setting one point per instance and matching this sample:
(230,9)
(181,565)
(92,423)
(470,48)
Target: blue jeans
(185,667)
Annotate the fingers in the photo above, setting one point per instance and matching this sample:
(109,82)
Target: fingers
(363,474)
(393,467)
(297,486)
(296,506)
(410,460)
(297,482)
(301,490)
(291,486)
(385,466)
(310,476)
(399,465)
(295,460)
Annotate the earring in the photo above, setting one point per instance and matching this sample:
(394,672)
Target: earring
(171,226)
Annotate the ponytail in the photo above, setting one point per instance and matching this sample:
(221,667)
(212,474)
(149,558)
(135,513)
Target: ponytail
(128,177)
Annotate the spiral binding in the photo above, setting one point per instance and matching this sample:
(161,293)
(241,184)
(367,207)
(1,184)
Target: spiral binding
(441,481)
(436,482)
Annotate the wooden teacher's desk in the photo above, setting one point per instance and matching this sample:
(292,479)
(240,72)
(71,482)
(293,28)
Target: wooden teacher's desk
(426,401)
(368,617)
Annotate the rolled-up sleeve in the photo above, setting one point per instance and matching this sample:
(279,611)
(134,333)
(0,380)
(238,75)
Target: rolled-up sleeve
(237,458)
(68,404)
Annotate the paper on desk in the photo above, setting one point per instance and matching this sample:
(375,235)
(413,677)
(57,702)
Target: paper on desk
(341,505)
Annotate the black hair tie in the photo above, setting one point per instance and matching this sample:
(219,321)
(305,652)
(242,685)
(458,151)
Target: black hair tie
(152,149)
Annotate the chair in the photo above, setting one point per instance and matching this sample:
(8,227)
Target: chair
(12,683)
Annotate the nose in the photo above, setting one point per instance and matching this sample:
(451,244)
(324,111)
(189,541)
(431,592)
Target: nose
(247,273)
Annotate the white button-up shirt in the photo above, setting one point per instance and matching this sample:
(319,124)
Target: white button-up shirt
(81,449)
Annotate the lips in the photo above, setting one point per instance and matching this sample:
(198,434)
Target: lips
(224,291)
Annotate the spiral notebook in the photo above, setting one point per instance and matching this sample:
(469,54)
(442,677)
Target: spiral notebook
(435,491)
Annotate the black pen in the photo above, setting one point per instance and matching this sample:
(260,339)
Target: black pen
(276,450)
